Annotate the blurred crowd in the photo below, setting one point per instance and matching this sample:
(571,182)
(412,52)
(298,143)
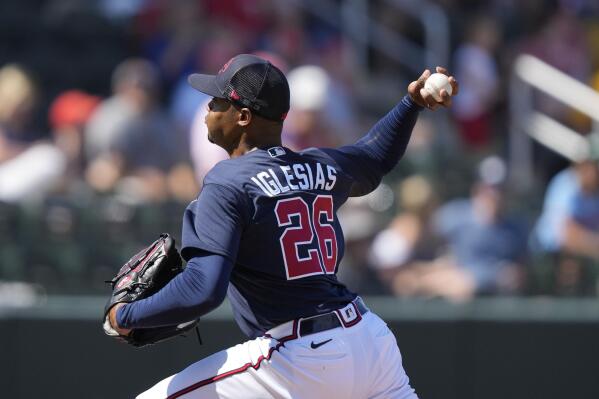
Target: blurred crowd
(103,142)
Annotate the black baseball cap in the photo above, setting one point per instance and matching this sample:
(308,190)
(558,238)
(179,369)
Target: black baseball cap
(249,81)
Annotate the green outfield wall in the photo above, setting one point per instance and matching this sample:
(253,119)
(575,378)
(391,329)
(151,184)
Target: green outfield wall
(509,348)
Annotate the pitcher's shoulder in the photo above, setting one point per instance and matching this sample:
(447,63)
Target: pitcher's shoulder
(231,171)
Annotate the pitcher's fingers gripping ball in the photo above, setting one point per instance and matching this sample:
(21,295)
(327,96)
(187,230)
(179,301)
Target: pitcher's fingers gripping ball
(437,82)
(434,90)
(143,275)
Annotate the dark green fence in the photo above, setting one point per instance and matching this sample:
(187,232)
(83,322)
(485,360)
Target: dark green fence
(71,246)
(485,349)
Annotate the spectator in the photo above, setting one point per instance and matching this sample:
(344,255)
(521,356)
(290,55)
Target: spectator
(28,168)
(132,144)
(476,70)
(485,246)
(68,115)
(135,85)
(18,99)
(318,117)
(568,228)
(408,240)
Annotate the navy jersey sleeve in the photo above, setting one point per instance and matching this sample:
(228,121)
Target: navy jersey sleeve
(214,222)
(199,289)
(212,227)
(375,154)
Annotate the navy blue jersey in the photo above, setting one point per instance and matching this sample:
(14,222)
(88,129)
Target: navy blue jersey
(273,213)
(266,223)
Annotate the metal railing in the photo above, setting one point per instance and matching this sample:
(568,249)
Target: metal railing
(526,123)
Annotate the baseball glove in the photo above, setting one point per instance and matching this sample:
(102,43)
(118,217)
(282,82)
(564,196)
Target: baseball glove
(143,275)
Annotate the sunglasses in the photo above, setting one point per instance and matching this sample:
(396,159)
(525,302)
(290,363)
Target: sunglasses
(214,104)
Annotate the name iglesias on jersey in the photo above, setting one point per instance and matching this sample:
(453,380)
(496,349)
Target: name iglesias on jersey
(297,176)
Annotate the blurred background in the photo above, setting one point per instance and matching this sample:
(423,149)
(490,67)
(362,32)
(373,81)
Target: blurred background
(481,248)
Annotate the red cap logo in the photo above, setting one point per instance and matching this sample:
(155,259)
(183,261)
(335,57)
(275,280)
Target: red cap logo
(224,68)
(234,95)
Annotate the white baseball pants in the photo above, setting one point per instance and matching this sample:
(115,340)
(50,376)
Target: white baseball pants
(360,361)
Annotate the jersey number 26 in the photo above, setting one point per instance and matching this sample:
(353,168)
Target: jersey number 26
(321,255)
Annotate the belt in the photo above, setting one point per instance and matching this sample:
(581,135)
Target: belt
(347,316)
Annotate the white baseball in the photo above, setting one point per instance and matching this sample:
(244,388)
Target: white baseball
(437,82)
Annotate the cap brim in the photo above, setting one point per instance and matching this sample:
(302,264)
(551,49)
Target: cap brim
(206,84)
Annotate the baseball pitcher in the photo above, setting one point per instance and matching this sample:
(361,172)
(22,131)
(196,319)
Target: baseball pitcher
(264,232)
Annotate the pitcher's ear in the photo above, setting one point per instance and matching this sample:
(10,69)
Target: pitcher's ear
(245,117)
